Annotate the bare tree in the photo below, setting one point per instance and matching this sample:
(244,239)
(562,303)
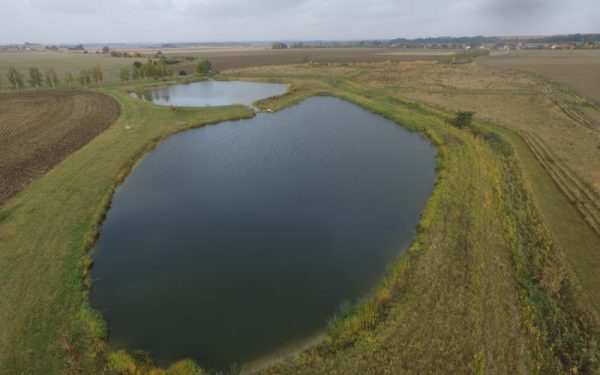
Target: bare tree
(85,78)
(69,79)
(35,78)
(97,74)
(51,78)
(15,78)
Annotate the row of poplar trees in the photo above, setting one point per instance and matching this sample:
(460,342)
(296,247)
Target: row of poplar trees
(50,79)
(153,68)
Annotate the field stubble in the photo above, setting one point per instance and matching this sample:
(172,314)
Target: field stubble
(578,71)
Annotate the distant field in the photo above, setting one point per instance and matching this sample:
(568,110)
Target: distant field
(223,59)
(241,59)
(436,52)
(61,62)
(578,70)
(39,129)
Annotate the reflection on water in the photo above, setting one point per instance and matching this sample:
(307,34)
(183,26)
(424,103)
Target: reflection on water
(211,93)
(154,96)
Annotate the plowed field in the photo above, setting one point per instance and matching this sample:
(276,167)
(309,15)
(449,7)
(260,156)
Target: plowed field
(39,129)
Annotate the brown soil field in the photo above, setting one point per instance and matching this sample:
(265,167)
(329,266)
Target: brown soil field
(39,129)
(232,59)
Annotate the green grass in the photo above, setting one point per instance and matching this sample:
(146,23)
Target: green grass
(483,288)
(568,228)
(46,325)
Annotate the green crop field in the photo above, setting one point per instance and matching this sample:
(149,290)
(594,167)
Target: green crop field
(500,278)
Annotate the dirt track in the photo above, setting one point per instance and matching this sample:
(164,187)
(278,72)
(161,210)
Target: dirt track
(39,129)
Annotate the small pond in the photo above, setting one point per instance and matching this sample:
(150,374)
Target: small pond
(228,242)
(211,93)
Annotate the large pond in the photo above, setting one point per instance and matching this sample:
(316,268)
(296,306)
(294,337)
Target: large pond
(211,93)
(232,241)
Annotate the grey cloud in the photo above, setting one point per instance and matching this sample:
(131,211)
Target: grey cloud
(522,17)
(233,8)
(72,6)
(55,21)
(517,8)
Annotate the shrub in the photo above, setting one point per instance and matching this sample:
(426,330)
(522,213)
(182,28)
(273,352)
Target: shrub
(203,67)
(279,45)
(463,119)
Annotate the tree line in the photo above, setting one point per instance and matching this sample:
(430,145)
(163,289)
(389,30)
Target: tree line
(157,68)
(37,79)
(154,68)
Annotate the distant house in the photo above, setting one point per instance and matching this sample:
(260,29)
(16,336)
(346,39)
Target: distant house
(563,46)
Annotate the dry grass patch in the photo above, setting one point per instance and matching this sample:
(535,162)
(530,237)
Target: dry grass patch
(576,146)
(578,71)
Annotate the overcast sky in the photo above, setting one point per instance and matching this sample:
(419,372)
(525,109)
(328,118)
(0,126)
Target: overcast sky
(75,21)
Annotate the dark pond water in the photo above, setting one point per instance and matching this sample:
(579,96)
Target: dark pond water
(228,242)
(212,93)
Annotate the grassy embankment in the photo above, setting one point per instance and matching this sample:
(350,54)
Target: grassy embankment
(558,152)
(46,324)
(482,288)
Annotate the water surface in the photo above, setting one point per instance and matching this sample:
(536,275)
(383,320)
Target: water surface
(231,241)
(211,93)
